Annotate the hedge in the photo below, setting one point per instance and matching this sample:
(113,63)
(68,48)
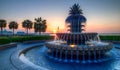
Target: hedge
(110,38)
(4,40)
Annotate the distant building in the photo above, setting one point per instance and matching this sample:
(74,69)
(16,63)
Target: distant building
(5,32)
(20,33)
(42,33)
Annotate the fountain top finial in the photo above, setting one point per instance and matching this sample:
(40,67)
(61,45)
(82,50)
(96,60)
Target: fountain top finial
(75,9)
(75,19)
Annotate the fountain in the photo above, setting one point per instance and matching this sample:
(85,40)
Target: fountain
(77,46)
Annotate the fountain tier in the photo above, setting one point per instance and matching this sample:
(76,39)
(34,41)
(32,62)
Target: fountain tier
(77,38)
(93,51)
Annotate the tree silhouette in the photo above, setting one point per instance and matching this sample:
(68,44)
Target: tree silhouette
(44,26)
(40,25)
(76,18)
(2,25)
(27,24)
(13,25)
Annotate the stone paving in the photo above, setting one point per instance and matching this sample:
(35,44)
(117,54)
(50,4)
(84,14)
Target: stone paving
(9,58)
(5,63)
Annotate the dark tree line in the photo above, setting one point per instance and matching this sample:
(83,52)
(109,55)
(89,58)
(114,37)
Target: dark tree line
(39,25)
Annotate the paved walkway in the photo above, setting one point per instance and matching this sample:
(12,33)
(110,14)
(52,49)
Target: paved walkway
(9,58)
(5,63)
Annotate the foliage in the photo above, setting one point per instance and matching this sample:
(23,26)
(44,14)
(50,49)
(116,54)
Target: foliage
(40,25)
(27,24)
(13,25)
(4,40)
(110,38)
(2,24)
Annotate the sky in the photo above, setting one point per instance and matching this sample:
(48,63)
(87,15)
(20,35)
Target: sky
(103,16)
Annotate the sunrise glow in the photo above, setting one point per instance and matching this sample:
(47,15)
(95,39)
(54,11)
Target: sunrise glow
(102,17)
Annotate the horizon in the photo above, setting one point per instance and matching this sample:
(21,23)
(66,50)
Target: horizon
(102,16)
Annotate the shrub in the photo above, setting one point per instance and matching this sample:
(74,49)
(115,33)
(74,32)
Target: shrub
(4,40)
(110,38)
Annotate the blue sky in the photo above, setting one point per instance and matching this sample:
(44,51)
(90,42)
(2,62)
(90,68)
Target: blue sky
(102,15)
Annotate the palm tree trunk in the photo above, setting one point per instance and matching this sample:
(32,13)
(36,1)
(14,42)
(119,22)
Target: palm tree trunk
(39,33)
(1,30)
(27,31)
(13,31)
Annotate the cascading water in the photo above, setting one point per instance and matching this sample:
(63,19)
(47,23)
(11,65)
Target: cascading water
(69,50)
(77,46)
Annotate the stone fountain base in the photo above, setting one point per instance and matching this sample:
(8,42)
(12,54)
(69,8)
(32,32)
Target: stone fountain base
(78,52)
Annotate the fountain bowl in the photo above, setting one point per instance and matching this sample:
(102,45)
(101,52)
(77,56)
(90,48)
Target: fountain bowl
(78,47)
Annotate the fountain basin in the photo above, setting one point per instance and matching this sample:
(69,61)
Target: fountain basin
(78,52)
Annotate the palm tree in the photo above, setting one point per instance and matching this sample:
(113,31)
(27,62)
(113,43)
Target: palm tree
(40,25)
(76,18)
(13,25)
(44,26)
(37,27)
(27,24)
(2,25)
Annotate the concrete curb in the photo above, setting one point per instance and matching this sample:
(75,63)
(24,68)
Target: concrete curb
(16,62)
(5,46)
